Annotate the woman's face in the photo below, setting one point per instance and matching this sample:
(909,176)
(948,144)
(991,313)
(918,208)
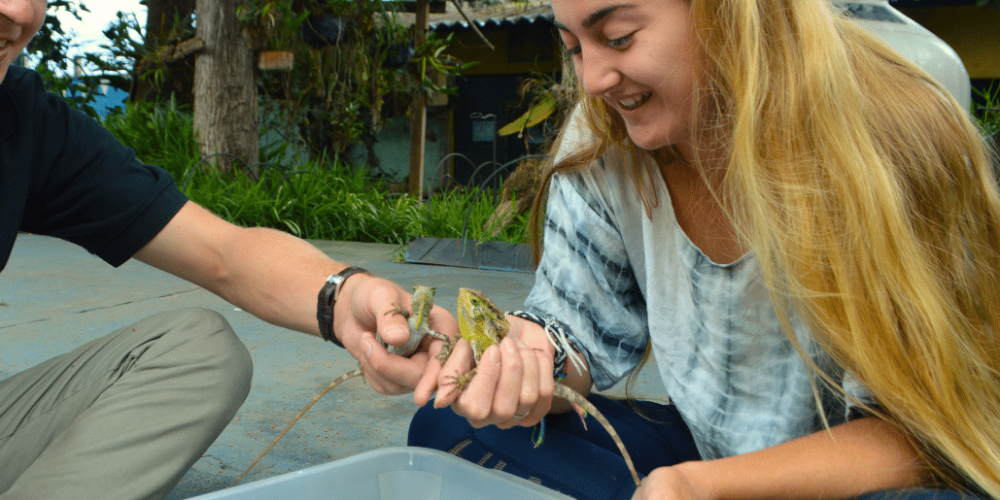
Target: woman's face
(19,20)
(637,55)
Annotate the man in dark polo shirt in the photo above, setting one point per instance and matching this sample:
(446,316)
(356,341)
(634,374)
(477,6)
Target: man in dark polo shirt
(125,416)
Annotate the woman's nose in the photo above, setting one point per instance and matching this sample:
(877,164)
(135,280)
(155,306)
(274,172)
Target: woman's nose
(597,71)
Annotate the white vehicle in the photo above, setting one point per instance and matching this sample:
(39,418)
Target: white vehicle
(914,42)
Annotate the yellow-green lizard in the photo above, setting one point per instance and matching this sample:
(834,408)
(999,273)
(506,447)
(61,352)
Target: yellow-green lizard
(421,304)
(482,324)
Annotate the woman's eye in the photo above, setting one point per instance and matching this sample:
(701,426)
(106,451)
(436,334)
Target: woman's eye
(619,43)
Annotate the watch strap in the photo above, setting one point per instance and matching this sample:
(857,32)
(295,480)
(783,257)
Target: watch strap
(328,298)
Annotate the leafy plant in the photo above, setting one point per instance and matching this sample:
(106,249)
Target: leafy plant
(319,200)
(550,99)
(988,110)
(430,60)
(271,24)
(50,45)
(344,85)
(161,134)
(322,198)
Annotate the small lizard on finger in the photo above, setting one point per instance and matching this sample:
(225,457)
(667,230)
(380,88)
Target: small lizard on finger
(482,324)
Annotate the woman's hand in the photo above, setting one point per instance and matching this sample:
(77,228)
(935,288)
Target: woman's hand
(513,383)
(669,483)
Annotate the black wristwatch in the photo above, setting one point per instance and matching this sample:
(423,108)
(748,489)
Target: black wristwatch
(328,297)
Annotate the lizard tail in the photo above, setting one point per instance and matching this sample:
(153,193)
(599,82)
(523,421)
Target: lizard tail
(572,396)
(335,383)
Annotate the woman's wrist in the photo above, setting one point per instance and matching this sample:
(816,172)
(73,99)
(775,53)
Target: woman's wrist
(704,483)
(564,349)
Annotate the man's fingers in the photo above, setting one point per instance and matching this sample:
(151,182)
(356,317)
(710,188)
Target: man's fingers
(390,308)
(393,329)
(428,383)
(367,350)
(396,374)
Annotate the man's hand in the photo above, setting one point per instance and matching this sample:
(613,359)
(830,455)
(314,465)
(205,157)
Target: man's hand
(360,314)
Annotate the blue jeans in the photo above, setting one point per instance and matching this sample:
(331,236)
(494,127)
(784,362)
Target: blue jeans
(586,464)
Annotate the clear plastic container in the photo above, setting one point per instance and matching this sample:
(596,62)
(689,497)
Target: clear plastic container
(400,473)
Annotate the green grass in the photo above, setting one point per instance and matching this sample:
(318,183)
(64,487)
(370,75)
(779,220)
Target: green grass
(988,113)
(161,135)
(322,199)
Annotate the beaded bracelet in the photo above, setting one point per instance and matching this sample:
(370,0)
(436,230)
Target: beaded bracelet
(565,349)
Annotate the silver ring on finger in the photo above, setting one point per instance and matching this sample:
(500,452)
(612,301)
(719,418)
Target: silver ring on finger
(525,414)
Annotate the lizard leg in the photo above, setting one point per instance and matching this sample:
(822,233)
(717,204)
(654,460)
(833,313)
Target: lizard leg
(449,345)
(460,381)
(398,310)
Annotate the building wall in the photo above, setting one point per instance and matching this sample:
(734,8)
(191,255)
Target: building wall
(393,150)
(522,49)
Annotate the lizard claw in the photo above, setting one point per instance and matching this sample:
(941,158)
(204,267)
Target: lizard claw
(398,310)
(460,381)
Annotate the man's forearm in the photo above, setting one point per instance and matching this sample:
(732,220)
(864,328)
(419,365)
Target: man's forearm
(270,274)
(275,277)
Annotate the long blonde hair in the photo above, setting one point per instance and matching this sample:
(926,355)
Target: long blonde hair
(867,196)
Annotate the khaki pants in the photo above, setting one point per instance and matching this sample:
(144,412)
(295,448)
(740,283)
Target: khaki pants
(125,416)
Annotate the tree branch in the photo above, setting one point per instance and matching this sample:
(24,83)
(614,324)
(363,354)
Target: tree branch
(473,25)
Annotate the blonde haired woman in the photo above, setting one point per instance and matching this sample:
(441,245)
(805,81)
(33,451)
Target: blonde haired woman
(804,227)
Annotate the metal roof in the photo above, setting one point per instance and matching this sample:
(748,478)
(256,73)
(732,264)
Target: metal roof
(503,17)
(512,15)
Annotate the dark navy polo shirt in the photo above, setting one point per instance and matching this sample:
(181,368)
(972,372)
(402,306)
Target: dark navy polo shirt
(63,175)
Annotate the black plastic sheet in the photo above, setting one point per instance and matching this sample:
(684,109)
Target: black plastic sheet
(474,254)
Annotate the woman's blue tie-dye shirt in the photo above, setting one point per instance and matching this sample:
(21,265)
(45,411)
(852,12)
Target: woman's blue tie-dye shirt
(620,279)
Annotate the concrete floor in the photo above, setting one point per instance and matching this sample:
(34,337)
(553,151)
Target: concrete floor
(55,296)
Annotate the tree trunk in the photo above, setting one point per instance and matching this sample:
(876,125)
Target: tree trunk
(176,79)
(225,89)
(418,119)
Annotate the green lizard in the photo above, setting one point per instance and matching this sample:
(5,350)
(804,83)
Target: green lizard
(421,304)
(482,324)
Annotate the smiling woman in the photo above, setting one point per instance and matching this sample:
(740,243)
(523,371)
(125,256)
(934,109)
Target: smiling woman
(798,222)
(654,104)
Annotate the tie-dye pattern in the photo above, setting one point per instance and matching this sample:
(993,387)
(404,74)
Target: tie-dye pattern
(619,279)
